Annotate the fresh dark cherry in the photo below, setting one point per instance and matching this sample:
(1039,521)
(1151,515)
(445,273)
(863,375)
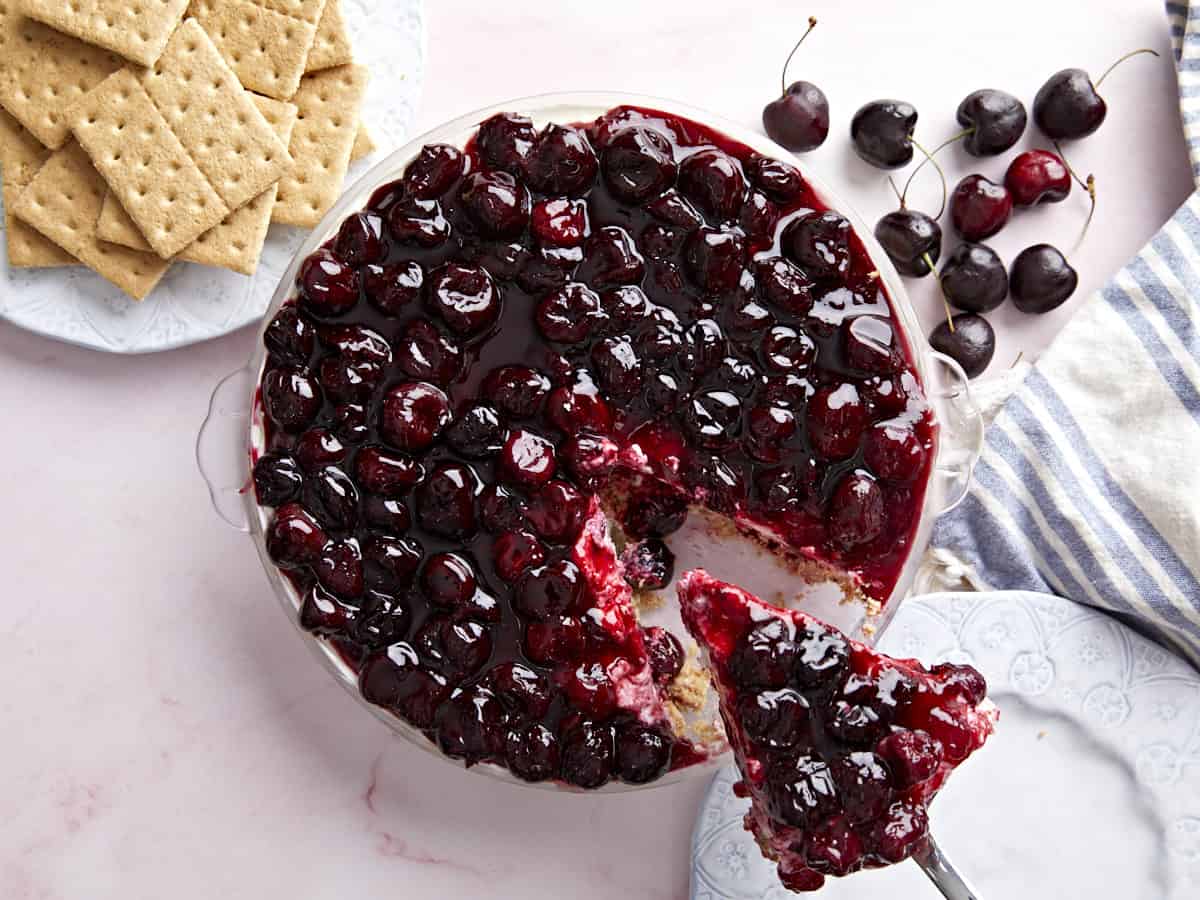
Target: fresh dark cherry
(971,344)
(912,241)
(974,278)
(799,118)
(996,121)
(1038,176)
(882,132)
(979,208)
(1041,279)
(1068,106)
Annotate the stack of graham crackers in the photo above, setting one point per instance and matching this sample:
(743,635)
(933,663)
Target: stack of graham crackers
(134,133)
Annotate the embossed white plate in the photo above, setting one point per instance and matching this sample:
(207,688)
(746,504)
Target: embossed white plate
(1090,787)
(194,303)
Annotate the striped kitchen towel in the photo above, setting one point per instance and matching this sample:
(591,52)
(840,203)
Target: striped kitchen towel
(1089,482)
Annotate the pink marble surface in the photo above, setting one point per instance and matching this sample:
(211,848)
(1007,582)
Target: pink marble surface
(164,732)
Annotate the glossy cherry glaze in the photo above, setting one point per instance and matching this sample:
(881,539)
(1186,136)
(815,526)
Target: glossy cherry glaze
(839,747)
(636,308)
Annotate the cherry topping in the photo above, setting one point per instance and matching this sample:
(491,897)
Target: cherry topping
(465,297)
(386,474)
(894,452)
(1041,279)
(858,514)
(882,132)
(714,259)
(570,314)
(425,353)
(713,180)
(803,791)
(562,161)
(418,222)
(294,537)
(289,338)
(996,120)
(505,141)
(610,259)
(971,344)
(434,171)
(560,223)
(413,415)
(496,202)
(911,756)
(277,479)
(665,654)
(360,240)
(638,164)
(448,580)
(979,208)
(643,754)
(395,679)
(446,501)
(820,243)
(587,755)
(290,398)
(532,752)
(517,391)
(526,459)
(328,287)
(649,565)
(836,420)
(974,278)
(1038,176)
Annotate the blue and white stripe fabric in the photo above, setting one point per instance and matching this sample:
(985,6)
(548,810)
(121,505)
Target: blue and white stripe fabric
(1089,482)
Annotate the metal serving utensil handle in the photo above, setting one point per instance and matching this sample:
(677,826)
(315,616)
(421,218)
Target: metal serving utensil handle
(941,872)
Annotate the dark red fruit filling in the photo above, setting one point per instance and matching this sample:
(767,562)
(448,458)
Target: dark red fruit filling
(638,306)
(840,748)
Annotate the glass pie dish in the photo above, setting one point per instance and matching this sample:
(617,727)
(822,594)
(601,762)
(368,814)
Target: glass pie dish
(236,433)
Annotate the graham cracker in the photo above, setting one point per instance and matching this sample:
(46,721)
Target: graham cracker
(63,202)
(137,31)
(234,244)
(266,42)
(183,145)
(329,104)
(364,144)
(331,45)
(21,155)
(44,72)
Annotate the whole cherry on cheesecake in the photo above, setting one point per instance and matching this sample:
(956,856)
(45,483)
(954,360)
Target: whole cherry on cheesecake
(882,132)
(967,339)
(994,122)
(1041,279)
(799,118)
(979,207)
(1069,105)
(1037,176)
(974,278)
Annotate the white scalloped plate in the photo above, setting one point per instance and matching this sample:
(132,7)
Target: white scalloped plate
(1090,787)
(195,303)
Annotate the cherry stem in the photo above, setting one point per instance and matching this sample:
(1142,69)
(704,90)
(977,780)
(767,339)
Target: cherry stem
(1016,362)
(896,191)
(1070,169)
(938,278)
(1130,55)
(1091,189)
(929,158)
(812,23)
